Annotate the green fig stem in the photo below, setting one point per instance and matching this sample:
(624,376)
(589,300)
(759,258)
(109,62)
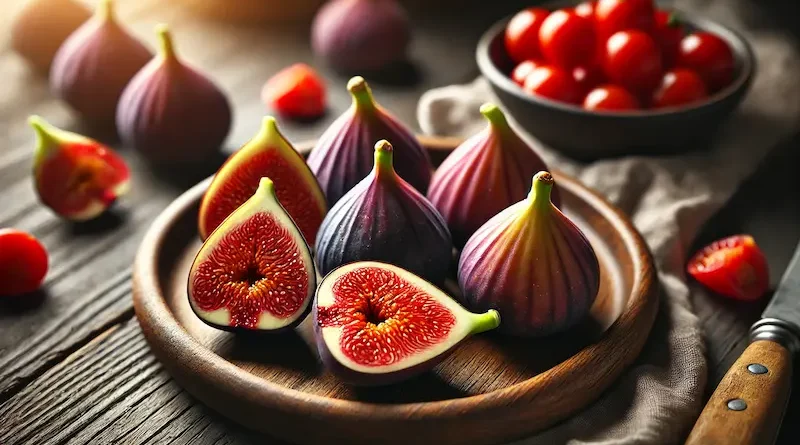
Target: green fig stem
(362,94)
(485,322)
(384,159)
(47,137)
(105,10)
(265,187)
(539,195)
(268,131)
(165,41)
(496,117)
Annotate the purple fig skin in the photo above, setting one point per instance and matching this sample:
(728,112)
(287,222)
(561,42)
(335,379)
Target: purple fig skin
(384,218)
(531,264)
(171,113)
(361,35)
(94,65)
(485,174)
(343,155)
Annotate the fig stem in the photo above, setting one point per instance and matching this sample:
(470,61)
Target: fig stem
(485,322)
(384,158)
(495,116)
(361,92)
(541,189)
(265,187)
(47,140)
(105,10)
(165,40)
(268,130)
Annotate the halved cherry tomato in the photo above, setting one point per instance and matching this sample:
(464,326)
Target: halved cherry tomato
(23,263)
(587,77)
(553,83)
(709,56)
(522,70)
(610,97)
(296,92)
(668,33)
(679,87)
(567,39)
(632,60)
(612,16)
(522,34)
(733,267)
(585,10)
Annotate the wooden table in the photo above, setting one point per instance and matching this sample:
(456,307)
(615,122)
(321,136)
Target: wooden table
(74,366)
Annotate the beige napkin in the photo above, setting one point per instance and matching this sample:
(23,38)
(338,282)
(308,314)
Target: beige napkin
(668,199)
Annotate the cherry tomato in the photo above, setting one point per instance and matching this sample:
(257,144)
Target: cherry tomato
(567,39)
(296,92)
(587,77)
(709,56)
(553,83)
(522,34)
(612,16)
(610,97)
(585,10)
(522,70)
(632,60)
(23,262)
(678,87)
(733,267)
(668,35)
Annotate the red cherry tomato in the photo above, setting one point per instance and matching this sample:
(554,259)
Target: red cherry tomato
(585,10)
(23,263)
(567,39)
(709,56)
(296,92)
(522,34)
(610,97)
(613,16)
(632,60)
(553,83)
(522,70)
(678,87)
(587,78)
(733,267)
(668,35)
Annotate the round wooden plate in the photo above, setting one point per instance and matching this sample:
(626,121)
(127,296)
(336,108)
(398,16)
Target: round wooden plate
(490,389)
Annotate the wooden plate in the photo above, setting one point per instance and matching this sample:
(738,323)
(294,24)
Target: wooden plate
(490,389)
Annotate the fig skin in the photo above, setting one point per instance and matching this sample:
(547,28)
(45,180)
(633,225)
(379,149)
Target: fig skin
(485,174)
(171,113)
(384,218)
(532,264)
(361,35)
(343,154)
(94,65)
(41,26)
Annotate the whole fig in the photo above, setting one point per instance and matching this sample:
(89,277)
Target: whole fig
(343,154)
(361,35)
(41,26)
(171,113)
(532,264)
(94,64)
(384,219)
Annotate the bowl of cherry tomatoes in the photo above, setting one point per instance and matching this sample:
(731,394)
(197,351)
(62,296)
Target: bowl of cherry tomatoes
(608,78)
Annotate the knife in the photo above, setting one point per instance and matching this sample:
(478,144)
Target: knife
(748,405)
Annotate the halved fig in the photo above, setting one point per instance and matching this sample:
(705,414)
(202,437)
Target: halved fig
(268,154)
(376,323)
(254,272)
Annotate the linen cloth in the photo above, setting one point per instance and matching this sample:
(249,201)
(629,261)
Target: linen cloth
(668,199)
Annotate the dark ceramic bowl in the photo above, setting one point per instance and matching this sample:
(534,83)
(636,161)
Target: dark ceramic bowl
(588,135)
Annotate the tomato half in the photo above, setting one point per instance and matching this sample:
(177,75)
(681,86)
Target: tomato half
(679,87)
(734,267)
(610,98)
(710,57)
(23,262)
(553,83)
(296,92)
(522,71)
(522,34)
(668,34)
(567,39)
(632,60)
(612,16)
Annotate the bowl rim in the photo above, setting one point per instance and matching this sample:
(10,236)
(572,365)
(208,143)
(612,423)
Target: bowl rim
(740,47)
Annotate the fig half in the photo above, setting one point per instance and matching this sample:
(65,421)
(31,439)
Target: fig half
(376,323)
(254,272)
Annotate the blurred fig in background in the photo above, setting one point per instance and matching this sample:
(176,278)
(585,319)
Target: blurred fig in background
(41,26)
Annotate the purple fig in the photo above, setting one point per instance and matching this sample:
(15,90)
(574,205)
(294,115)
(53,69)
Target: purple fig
(361,35)
(343,155)
(532,264)
(170,112)
(376,323)
(94,64)
(485,174)
(41,26)
(383,218)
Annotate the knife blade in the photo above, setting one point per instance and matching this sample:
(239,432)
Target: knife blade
(747,406)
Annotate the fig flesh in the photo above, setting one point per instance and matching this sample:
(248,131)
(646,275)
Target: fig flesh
(75,176)
(376,323)
(41,26)
(383,218)
(343,154)
(170,112)
(485,174)
(532,264)
(255,271)
(268,154)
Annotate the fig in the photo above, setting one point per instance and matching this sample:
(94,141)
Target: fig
(532,264)
(384,218)
(485,174)
(343,154)
(94,64)
(267,154)
(75,176)
(41,26)
(361,35)
(170,112)
(255,271)
(376,323)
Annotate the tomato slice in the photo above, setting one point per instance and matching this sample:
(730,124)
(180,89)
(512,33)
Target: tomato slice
(296,92)
(733,267)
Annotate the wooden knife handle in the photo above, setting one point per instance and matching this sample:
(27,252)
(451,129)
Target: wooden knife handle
(748,405)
